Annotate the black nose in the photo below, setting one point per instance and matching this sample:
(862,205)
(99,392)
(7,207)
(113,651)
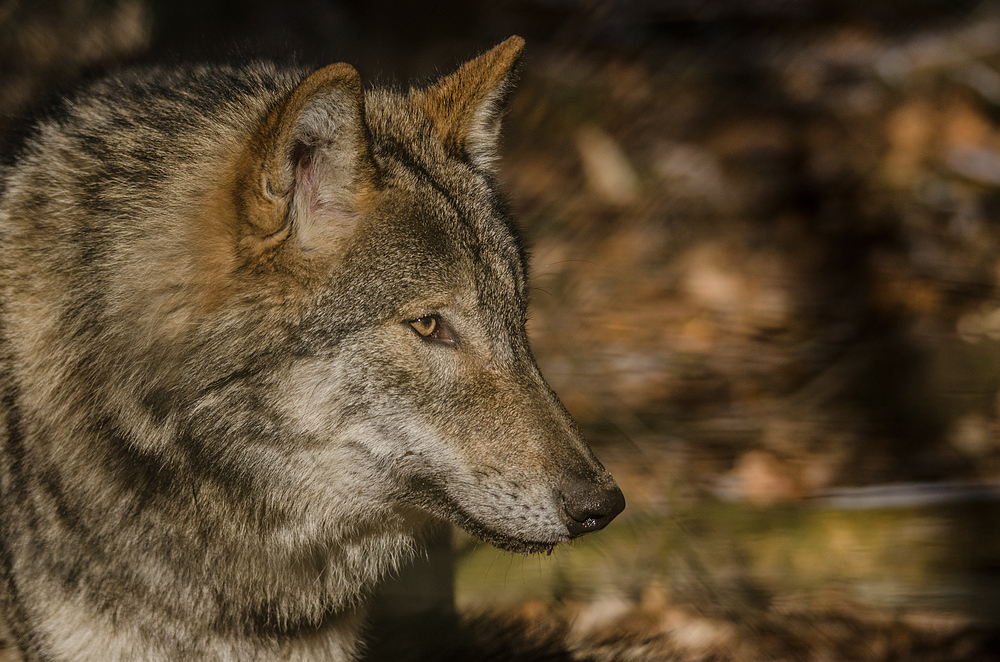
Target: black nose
(589,506)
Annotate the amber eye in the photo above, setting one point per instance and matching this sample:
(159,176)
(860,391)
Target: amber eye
(431,327)
(425,326)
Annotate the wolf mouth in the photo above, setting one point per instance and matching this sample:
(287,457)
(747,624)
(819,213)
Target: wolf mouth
(436,500)
(500,540)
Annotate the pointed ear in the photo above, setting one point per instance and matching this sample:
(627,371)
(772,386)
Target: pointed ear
(466,106)
(312,162)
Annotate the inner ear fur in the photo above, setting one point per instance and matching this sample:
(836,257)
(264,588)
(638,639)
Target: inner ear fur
(466,106)
(310,162)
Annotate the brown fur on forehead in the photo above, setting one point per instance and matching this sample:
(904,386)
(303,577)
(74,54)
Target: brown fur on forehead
(443,190)
(403,260)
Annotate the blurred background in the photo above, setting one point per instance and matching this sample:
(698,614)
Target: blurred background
(766,279)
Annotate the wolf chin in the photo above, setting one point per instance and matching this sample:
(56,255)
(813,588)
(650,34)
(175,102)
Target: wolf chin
(257,327)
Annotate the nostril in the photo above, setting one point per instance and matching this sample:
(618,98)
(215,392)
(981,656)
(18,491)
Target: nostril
(590,508)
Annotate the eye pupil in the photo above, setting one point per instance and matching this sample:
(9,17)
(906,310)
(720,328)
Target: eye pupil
(425,326)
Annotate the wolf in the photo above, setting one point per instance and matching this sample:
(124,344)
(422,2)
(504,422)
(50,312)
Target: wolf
(258,327)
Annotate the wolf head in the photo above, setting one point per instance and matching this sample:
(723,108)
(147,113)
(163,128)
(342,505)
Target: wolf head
(379,213)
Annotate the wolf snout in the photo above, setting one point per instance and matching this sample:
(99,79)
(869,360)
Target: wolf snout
(590,506)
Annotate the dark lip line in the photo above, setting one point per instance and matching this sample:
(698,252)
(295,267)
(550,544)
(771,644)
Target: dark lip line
(500,540)
(438,503)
